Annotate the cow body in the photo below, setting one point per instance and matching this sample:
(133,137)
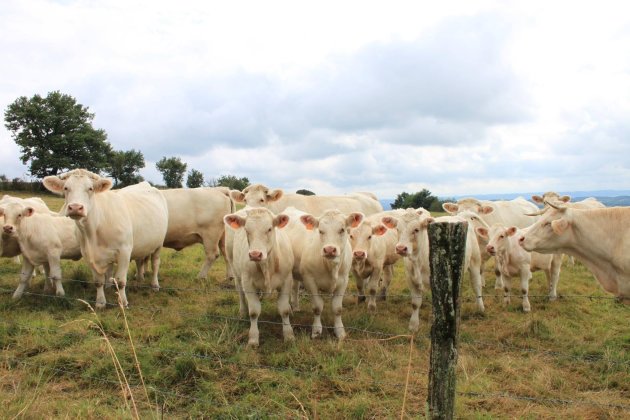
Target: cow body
(262,262)
(9,246)
(114,227)
(600,238)
(195,215)
(44,239)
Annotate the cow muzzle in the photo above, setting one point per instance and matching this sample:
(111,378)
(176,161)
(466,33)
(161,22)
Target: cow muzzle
(359,255)
(255,255)
(402,250)
(75,211)
(491,250)
(8,229)
(330,252)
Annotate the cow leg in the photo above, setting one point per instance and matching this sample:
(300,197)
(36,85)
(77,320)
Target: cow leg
(556,265)
(155,269)
(121,276)
(140,270)
(54,262)
(506,288)
(253,303)
(284,308)
(25,277)
(526,275)
(242,301)
(372,287)
(388,275)
(415,287)
(212,253)
(48,283)
(99,279)
(318,306)
(360,287)
(295,295)
(475,280)
(337,307)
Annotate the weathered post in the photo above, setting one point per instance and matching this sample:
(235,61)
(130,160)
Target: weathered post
(447,248)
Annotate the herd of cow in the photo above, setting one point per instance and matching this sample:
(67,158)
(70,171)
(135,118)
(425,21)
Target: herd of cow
(279,241)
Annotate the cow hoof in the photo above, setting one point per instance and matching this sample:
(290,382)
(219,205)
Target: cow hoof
(252,344)
(372,307)
(413,328)
(552,298)
(527,309)
(289,338)
(100,305)
(155,288)
(60,293)
(17,296)
(341,336)
(316,335)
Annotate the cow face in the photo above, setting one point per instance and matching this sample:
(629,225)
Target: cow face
(550,233)
(361,238)
(550,196)
(498,238)
(78,187)
(256,195)
(13,214)
(259,226)
(467,204)
(332,230)
(412,235)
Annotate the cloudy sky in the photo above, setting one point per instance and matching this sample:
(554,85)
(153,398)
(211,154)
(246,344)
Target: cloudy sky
(465,97)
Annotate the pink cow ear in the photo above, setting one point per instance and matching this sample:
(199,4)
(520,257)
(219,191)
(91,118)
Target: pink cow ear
(537,199)
(390,222)
(28,212)
(237,196)
(427,221)
(559,226)
(482,231)
(274,195)
(565,198)
(53,183)
(309,221)
(354,219)
(486,209)
(511,231)
(450,207)
(379,230)
(102,185)
(234,221)
(281,221)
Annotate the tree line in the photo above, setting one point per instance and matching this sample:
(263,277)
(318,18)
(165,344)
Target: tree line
(55,135)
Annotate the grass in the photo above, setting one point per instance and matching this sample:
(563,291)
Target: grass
(572,356)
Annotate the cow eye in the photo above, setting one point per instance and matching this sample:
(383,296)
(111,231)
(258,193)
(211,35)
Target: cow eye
(501,236)
(351,236)
(261,200)
(416,230)
(369,237)
(269,230)
(91,189)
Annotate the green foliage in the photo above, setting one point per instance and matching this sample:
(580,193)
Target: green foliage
(124,166)
(305,192)
(172,170)
(422,199)
(232,182)
(195,179)
(55,134)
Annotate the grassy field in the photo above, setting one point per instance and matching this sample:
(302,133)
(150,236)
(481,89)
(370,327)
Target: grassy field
(565,359)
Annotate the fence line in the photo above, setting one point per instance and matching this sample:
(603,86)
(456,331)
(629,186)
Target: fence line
(555,401)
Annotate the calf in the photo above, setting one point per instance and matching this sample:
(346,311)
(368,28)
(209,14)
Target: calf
(326,261)
(373,257)
(8,243)
(44,239)
(262,262)
(513,260)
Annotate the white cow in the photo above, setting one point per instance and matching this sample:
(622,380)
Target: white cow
(373,257)
(262,262)
(507,213)
(195,215)
(512,260)
(600,238)
(8,243)
(258,195)
(114,227)
(325,262)
(44,239)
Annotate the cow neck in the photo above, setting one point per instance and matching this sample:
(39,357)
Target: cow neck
(88,226)
(269,267)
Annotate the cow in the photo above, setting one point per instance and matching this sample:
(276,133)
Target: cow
(262,262)
(9,246)
(373,257)
(195,215)
(44,239)
(114,227)
(258,195)
(598,237)
(325,261)
(507,213)
(512,260)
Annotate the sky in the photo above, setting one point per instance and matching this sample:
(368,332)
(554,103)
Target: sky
(460,97)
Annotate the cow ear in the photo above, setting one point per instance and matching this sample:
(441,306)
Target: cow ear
(274,195)
(511,230)
(537,199)
(281,221)
(379,230)
(559,226)
(486,209)
(450,207)
(1,211)
(427,221)
(565,198)
(28,212)
(390,222)
(237,196)
(102,185)
(482,231)
(354,219)
(53,184)
(309,221)
(234,221)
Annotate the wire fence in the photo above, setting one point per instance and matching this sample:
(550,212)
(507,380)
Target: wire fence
(366,332)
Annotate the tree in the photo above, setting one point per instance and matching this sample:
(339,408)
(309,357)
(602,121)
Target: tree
(422,199)
(232,182)
(305,192)
(195,179)
(55,134)
(172,170)
(124,166)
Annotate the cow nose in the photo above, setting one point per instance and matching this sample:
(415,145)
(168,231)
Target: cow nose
(401,249)
(7,229)
(359,254)
(330,251)
(255,255)
(75,208)
(490,249)
(521,240)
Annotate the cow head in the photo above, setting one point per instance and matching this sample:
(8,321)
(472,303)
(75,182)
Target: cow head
(497,237)
(551,232)
(550,196)
(256,195)
(332,229)
(467,204)
(13,214)
(78,187)
(259,225)
(361,238)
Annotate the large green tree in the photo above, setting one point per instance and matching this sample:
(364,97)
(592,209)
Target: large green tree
(55,134)
(124,167)
(232,182)
(195,179)
(416,200)
(173,170)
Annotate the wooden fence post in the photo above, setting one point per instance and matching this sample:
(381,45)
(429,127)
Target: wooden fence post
(447,248)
